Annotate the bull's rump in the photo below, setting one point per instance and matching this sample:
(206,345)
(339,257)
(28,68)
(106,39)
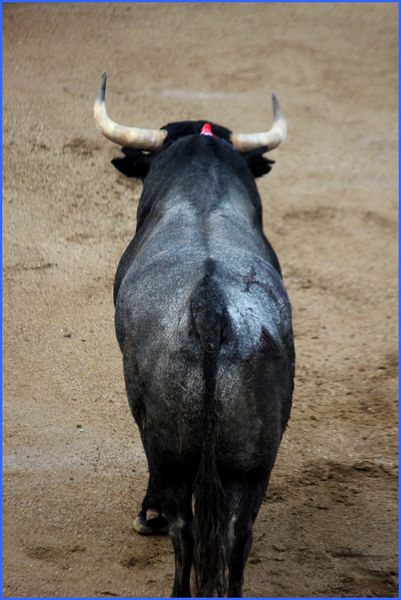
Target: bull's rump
(163,360)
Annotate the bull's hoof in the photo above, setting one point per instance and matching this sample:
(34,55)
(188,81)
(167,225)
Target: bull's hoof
(150,524)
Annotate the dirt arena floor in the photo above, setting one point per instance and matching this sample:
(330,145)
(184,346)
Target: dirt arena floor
(74,470)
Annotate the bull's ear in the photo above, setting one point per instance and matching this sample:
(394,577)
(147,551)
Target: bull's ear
(258,164)
(134,164)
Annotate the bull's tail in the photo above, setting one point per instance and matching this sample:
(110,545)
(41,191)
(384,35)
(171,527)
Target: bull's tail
(210,515)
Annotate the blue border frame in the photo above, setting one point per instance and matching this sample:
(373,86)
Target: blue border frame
(1,309)
(200,2)
(2,2)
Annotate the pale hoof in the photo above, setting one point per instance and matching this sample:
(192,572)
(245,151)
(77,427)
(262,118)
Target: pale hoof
(156,525)
(141,527)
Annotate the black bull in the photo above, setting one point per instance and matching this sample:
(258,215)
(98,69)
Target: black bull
(204,325)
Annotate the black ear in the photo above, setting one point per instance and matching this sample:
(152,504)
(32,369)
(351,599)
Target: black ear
(258,164)
(134,164)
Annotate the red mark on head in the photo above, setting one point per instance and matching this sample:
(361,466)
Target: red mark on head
(207,130)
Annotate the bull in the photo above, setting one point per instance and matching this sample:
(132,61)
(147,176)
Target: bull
(203,322)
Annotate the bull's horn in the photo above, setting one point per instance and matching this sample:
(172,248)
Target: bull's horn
(271,139)
(133,137)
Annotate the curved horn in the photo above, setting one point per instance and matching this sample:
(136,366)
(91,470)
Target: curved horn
(272,138)
(133,137)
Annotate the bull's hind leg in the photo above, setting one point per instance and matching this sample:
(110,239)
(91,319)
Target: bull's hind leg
(176,502)
(244,500)
(150,520)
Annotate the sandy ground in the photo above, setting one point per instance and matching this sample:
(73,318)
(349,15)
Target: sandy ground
(74,470)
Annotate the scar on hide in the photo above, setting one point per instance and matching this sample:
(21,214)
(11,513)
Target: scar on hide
(249,279)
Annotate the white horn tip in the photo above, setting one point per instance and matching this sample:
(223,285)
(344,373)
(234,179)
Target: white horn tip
(277,112)
(279,119)
(102,88)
